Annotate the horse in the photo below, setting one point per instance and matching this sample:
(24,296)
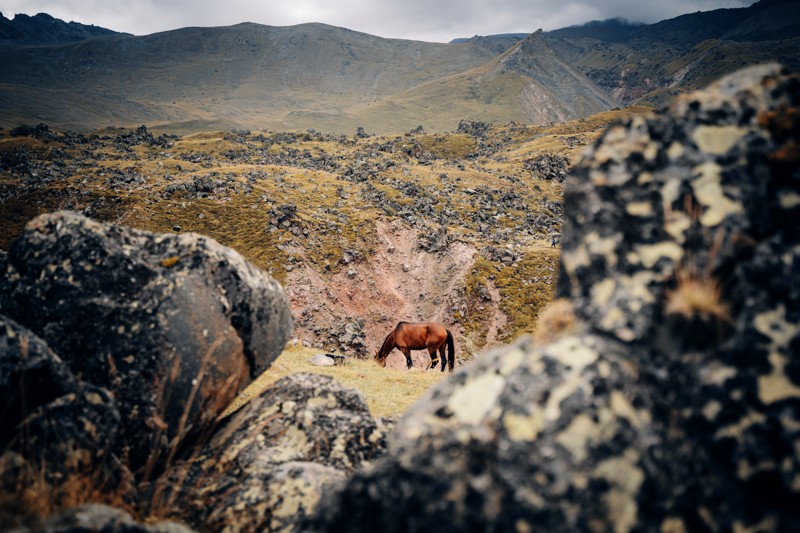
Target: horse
(408,336)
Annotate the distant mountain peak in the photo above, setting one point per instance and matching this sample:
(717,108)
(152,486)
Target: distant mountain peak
(44,28)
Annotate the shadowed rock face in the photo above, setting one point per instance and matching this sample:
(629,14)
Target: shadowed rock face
(59,425)
(172,325)
(674,402)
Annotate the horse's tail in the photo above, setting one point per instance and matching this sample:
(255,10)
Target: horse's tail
(451,351)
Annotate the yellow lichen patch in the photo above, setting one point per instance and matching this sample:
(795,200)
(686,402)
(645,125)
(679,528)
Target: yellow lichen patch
(673,524)
(523,427)
(169,261)
(708,192)
(741,427)
(621,407)
(650,254)
(777,386)
(625,479)
(789,200)
(577,437)
(476,398)
(639,209)
(602,291)
(717,140)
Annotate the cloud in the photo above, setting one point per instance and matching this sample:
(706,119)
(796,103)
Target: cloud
(439,21)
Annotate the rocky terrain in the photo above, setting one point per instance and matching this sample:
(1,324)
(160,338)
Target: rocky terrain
(364,231)
(251,76)
(662,394)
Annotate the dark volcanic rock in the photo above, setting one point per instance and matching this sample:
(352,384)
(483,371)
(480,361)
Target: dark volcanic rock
(548,167)
(172,325)
(54,426)
(474,128)
(673,404)
(266,468)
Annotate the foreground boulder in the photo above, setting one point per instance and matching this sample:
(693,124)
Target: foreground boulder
(267,466)
(172,325)
(673,403)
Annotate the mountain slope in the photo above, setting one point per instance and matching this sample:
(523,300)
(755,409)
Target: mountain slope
(528,83)
(248,74)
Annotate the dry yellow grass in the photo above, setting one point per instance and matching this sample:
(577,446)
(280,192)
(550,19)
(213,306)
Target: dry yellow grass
(387,392)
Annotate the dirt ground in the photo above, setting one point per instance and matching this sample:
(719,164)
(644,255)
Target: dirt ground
(399,283)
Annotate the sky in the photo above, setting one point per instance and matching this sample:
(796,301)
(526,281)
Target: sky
(423,20)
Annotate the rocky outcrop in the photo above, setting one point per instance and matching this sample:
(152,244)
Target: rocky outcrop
(173,326)
(548,167)
(267,466)
(673,403)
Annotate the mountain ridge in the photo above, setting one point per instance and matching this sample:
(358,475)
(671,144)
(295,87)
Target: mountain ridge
(253,76)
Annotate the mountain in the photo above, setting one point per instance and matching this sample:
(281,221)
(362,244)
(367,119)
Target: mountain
(255,76)
(685,52)
(43,28)
(251,76)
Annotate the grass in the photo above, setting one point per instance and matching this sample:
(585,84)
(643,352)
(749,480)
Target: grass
(387,392)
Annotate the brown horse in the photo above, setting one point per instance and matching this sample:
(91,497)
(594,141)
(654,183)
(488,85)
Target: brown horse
(409,336)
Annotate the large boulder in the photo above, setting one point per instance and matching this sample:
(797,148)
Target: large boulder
(673,402)
(267,466)
(173,325)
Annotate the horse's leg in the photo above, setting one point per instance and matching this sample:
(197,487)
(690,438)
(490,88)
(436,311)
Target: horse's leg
(441,354)
(407,353)
(434,359)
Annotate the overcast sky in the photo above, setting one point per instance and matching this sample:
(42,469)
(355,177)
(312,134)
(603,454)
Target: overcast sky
(424,20)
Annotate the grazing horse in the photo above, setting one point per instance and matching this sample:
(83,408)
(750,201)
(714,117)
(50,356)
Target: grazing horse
(409,336)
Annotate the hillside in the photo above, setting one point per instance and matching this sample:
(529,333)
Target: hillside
(252,76)
(363,231)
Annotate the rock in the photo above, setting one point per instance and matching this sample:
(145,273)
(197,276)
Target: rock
(657,410)
(97,518)
(349,336)
(419,130)
(361,134)
(321,359)
(58,425)
(434,241)
(268,465)
(173,325)
(474,128)
(548,167)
